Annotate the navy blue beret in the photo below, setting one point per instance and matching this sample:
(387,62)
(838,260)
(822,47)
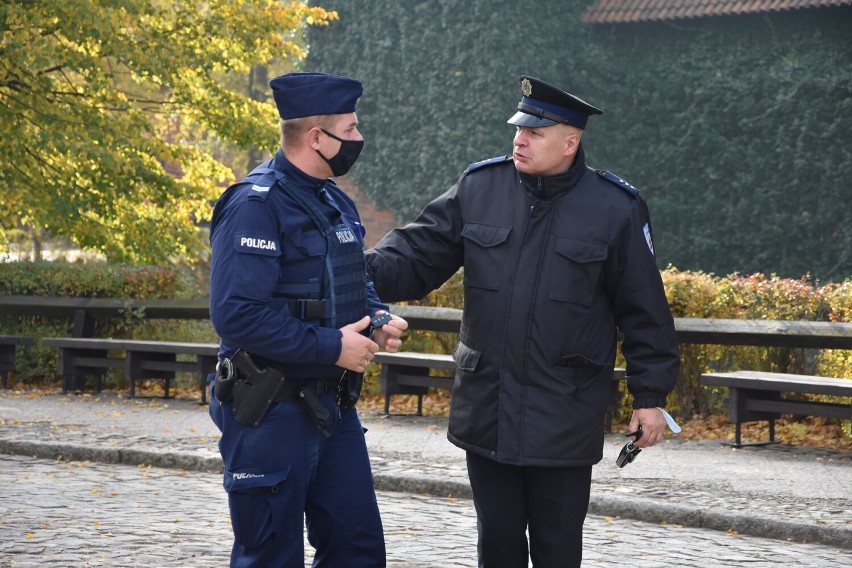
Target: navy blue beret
(312,94)
(543,104)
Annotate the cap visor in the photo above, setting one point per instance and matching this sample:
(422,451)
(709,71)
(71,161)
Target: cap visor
(530,121)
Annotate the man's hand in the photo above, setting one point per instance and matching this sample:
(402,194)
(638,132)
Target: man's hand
(388,336)
(356,350)
(653,425)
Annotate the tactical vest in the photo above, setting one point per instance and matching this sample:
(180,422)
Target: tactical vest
(342,295)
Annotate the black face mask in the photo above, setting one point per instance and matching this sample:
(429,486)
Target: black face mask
(349,151)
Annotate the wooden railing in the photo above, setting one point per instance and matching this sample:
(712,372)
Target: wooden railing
(767,333)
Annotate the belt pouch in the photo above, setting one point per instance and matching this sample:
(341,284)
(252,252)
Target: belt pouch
(349,390)
(317,410)
(223,387)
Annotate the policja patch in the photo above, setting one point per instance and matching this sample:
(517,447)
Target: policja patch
(345,235)
(256,244)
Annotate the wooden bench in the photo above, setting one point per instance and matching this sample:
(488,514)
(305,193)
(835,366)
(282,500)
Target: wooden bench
(141,360)
(410,373)
(8,347)
(756,395)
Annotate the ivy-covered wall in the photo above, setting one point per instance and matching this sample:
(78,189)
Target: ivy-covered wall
(737,129)
(740,128)
(440,81)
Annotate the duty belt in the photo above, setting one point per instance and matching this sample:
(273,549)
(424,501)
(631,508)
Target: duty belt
(253,390)
(289,391)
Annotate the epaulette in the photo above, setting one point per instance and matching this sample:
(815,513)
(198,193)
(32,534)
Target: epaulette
(609,176)
(489,162)
(261,184)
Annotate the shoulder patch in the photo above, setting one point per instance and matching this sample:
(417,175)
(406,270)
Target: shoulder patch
(609,176)
(485,163)
(257,243)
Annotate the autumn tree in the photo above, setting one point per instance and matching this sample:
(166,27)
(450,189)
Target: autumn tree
(107,110)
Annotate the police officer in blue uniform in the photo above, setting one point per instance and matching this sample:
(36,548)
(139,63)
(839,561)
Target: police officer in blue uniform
(292,303)
(557,257)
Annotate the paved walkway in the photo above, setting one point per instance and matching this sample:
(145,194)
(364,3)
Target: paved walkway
(779,492)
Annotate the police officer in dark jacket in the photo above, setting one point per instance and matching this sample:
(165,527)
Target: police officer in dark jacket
(291,301)
(557,256)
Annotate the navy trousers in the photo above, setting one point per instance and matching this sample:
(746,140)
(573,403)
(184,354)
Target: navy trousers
(284,474)
(549,502)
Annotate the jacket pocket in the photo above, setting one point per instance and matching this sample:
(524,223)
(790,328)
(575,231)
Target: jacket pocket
(258,504)
(311,243)
(580,373)
(577,360)
(576,270)
(466,358)
(476,398)
(484,257)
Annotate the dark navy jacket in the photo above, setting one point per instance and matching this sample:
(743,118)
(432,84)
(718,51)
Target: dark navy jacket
(552,267)
(264,242)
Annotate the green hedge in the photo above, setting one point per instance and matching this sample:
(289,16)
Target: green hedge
(37,365)
(95,280)
(752,297)
(735,128)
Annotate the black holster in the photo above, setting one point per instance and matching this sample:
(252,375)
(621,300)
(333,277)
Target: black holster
(254,390)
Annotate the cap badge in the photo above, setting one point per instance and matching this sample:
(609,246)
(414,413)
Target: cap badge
(526,87)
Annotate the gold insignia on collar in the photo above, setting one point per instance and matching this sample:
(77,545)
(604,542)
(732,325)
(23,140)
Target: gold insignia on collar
(526,87)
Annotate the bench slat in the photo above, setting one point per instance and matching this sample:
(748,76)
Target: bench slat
(93,362)
(766,333)
(412,359)
(781,382)
(132,345)
(171,366)
(16,340)
(427,381)
(800,407)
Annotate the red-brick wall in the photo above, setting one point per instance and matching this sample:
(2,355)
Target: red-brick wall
(376,221)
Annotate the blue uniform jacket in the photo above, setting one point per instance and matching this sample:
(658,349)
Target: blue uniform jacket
(261,240)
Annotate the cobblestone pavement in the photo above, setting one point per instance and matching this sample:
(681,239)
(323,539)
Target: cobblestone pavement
(790,494)
(61,514)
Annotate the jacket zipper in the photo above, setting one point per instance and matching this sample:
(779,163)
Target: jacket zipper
(541,257)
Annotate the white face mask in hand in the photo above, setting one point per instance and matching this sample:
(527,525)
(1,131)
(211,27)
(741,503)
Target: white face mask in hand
(673,426)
